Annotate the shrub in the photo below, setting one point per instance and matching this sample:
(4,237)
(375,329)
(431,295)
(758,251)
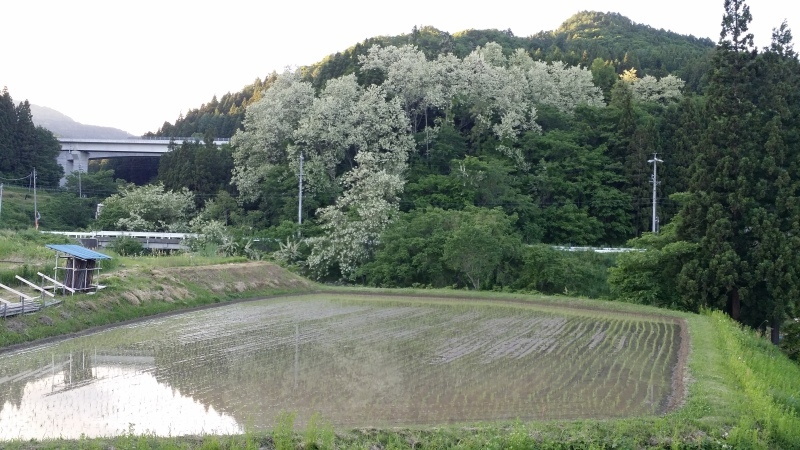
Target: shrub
(127,246)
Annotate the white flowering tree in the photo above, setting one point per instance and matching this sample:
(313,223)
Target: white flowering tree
(269,128)
(422,86)
(500,93)
(651,89)
(376,132)
(664,90)
(328,135)
(149,208)
(355,141)
(561,86)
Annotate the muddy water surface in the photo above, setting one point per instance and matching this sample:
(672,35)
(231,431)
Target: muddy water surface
(355,362)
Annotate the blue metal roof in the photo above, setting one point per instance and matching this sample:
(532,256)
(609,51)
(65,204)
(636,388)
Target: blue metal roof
(77,251)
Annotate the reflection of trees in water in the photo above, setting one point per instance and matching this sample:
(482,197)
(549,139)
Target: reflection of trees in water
(305,366)
(365,365)
(12,389)
(356,363)
(78,369)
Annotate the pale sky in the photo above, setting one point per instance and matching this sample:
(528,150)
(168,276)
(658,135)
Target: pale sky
(135,64)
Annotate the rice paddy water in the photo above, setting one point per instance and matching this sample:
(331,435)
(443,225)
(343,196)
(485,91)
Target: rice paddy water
(356,361)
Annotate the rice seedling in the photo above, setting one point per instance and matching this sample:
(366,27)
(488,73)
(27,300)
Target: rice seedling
(354,360)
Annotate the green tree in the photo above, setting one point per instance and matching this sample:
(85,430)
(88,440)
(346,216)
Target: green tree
(483,238)
(24,146)
(203,169)
(741,210)
(476,247)
(8,120)
(67,212)
(648,276)
(411,249)
(604,75)
(545,269)
(96,185)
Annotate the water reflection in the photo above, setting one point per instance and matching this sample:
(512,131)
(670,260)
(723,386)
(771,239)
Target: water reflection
(95,394)
(358,363)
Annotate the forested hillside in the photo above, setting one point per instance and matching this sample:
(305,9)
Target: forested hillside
(461,161)
(24,146)
(607,43)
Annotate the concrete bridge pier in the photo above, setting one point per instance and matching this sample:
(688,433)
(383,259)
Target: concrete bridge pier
(71,161)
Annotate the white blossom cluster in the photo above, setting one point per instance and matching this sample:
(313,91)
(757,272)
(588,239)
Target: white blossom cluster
(651,89)
(151,208)
(371,130)
(270,124)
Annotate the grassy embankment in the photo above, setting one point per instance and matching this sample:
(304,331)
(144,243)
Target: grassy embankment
(742,393)
(135,287)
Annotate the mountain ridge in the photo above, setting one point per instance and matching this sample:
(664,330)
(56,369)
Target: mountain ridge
(64,126)
(579,40)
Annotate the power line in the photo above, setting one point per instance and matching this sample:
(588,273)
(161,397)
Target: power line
(16,179)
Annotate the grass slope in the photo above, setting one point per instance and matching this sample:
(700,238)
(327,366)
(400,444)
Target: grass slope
(144,287)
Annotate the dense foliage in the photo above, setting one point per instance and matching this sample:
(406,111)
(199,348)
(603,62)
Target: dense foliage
(204,169)
(735,242)
(24,146)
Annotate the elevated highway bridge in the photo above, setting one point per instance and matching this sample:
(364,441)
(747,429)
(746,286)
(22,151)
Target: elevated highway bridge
(76,152)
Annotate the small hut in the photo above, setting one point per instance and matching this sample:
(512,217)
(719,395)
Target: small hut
(77,266)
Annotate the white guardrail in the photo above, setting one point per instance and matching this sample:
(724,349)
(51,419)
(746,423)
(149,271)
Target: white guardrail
(132,234)
(567,248)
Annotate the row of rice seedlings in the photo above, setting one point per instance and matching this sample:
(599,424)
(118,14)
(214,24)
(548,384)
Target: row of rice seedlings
(508,348)
(620,366)
(668,356)
(623,364)
(567,367)
(597,371)
(597,364)
(646,364)
(649,364)
(555,365)
(640,360)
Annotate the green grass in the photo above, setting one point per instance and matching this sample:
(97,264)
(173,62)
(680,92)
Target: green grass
(18,209)
(136,288)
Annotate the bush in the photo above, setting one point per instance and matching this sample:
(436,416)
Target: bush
(790,340)
(551,271)
(127,246)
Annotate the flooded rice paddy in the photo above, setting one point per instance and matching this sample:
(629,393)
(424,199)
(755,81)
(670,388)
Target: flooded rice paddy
(356,361)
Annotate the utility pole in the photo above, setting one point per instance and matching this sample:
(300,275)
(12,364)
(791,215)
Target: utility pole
(1,198)
(300,197)
(654,180)
(35,208)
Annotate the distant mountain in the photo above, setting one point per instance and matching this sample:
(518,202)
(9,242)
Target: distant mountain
(63,126)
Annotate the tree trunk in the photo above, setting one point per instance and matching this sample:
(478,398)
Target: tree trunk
(735,305)
(776,330)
